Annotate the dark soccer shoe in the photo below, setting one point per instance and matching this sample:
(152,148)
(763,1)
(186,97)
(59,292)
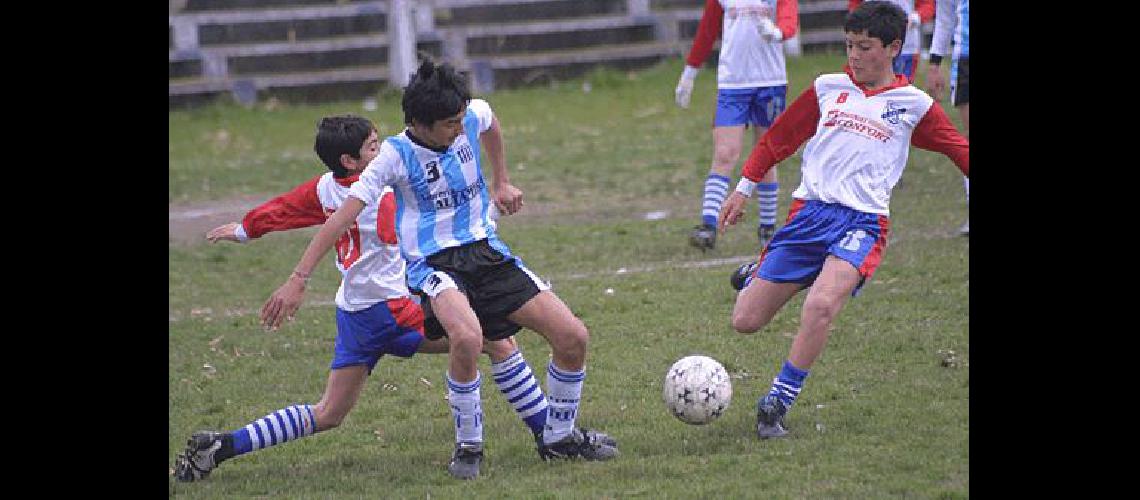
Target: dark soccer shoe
(466,460)
(204,451)
(770,413)
(580,443)
(703,237)
(740,275)
(965,229)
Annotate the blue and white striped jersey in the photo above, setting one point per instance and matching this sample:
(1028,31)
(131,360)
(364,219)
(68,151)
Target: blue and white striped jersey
(442,200)
(952,20)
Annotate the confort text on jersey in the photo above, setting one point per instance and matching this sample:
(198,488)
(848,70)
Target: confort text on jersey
(858,124)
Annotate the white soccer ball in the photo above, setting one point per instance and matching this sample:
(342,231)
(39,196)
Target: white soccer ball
(697,389)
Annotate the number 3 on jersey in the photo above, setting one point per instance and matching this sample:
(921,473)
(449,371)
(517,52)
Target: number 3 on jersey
(432,171)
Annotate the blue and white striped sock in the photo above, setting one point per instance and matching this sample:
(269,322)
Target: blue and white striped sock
(768,195)
(788,383)
(564,390)
(966,182)
(466,408)
(281,426)
(716,189)
(517,383)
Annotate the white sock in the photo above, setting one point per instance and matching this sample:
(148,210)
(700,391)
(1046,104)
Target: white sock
(466,408)
(563,390)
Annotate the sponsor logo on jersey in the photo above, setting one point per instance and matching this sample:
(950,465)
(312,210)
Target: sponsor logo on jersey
(892,113)
(850,122)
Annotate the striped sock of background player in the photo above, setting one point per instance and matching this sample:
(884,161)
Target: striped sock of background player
(564,390)
(279,427)
(786,386)
(716,189)
(966,182)
(768,194)
(517,383)
(466,408)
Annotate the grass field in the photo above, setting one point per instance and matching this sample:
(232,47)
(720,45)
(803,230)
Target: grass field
(881,416)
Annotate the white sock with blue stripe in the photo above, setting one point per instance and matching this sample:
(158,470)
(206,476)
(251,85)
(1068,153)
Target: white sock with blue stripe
(564,390)
(281,426)
(716,189)
(768,195)
(787,385)
(517,383)
(466,408)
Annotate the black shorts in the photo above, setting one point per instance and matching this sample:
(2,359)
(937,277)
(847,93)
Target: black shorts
(960,84)
(496,286)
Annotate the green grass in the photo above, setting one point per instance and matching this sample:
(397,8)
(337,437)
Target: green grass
(894,422)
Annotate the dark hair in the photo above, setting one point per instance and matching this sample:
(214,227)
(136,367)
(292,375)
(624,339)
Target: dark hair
(883,20)
(434,93)
(337,135)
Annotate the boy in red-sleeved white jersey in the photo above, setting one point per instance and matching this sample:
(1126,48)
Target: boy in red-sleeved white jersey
(858,126)
(375,314)
(918,12)
(752,87)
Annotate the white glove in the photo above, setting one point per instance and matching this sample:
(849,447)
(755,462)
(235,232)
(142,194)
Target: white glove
(768,30)
(685,86)
(913,20)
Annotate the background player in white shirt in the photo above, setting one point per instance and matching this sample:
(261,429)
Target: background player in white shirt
(953,21)
(374,314)
(859,126)
(752,87)
(471,283)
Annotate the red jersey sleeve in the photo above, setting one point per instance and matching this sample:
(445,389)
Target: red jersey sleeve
(935,132)
(788,17)
(293,210)
(386,219)
(925,9)
(851,4)
(791,129)
(707,33)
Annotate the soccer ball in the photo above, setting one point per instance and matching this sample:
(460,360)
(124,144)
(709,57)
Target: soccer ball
(697,389)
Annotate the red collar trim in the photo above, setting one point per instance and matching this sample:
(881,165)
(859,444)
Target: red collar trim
(346,181)
(900,81)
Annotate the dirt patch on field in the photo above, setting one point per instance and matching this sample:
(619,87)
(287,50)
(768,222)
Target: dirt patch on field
(190,221)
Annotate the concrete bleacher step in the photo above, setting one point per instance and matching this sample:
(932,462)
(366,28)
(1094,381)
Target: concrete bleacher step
(313,86)
(283,24)
(553,35)
(477,12)
(209,5)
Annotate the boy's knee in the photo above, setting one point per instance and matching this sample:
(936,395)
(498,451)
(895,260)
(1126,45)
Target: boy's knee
(744,323)
(573,341)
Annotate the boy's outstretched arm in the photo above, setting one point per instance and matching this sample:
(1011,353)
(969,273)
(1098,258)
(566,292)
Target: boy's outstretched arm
(287,298)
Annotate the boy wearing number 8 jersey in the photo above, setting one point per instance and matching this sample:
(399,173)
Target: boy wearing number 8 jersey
(858,126)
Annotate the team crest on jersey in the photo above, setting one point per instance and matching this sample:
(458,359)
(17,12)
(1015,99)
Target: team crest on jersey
(892,113)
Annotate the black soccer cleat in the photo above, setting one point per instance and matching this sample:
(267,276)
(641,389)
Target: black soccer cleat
(770,413)
(465,460)
(204,451)
(703,237)
(580,443)
(741,274)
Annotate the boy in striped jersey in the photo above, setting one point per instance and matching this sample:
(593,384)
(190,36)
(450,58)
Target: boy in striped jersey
(375,315)
(469,280)
(953,22)
(858,126)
